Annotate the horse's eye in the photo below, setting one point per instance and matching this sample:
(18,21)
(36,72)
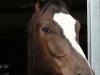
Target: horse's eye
(46,29)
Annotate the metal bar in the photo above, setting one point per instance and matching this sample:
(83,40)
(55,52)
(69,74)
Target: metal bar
(93,11)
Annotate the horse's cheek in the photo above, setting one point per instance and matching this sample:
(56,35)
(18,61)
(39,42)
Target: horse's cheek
(57,48)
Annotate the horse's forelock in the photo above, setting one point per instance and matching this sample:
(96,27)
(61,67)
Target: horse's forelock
(58,3)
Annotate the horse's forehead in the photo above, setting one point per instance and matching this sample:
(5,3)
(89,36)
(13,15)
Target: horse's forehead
(67,23)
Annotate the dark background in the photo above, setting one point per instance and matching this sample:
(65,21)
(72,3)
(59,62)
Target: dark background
(14,18)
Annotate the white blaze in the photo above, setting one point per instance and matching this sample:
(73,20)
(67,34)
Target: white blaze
(67,23)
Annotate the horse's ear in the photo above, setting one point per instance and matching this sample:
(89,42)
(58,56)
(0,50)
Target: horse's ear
(37,7)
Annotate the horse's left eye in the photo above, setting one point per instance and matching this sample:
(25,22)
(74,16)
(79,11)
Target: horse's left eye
(46,29)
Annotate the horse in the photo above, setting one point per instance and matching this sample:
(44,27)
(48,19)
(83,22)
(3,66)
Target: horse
(53,42)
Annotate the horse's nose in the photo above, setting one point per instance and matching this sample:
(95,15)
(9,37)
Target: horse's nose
(79,72)
(84,72)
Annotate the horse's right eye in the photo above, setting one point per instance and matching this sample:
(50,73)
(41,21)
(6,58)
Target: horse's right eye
(46,29)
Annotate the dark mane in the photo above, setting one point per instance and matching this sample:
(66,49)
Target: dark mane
(31,45)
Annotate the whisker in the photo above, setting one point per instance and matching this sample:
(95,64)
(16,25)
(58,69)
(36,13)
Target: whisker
(28,5)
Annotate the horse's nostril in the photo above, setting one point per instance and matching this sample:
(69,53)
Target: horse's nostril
(78,74)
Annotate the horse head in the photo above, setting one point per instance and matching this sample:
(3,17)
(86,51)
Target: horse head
(55,35)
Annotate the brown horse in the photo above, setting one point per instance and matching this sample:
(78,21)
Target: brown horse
(53,46)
